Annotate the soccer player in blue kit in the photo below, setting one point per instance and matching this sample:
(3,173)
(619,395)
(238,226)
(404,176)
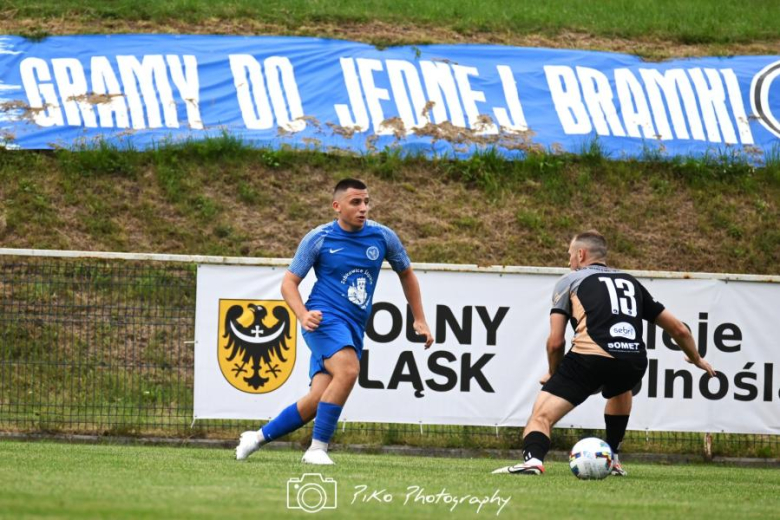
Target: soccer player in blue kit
(346,255)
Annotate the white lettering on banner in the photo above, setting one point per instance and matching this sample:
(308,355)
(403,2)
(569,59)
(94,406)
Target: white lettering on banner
(289,114)
(113,113)
(438,79)
(187,81)
(360,122)
(517,122)
(446,95)
(404,75)
(594,109)
(262,108)
(41,95)
(565,91)
(598,98)
(470,98)
(712,100)
(149,73)
(69,75)
(78,98)
(737,105)
(374,94)
(664,86)
(636,113)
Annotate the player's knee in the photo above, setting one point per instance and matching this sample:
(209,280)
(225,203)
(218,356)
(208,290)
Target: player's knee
(350,372)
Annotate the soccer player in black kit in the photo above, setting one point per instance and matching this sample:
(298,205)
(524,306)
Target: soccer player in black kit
(606,308)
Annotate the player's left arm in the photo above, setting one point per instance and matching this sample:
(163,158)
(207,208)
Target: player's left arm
(401,264)
(411,287)
(556,343)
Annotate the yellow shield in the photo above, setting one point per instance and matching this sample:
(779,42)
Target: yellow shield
(256,344)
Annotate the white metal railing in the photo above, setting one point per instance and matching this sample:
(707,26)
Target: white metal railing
(284,262)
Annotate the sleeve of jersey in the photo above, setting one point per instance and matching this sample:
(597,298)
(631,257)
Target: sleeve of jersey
(650,307)
(561,298)
(396,254)
(307,253)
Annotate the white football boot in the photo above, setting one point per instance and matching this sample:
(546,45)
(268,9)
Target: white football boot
(248,444)
(529,467)
(317,456)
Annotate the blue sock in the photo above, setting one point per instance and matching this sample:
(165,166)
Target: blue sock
(326,421)
(287,421)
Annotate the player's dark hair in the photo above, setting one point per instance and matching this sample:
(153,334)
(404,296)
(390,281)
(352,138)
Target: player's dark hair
(593,242)
(345,184)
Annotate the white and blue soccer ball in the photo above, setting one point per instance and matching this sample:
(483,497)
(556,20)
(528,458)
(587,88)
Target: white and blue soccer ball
(591,459)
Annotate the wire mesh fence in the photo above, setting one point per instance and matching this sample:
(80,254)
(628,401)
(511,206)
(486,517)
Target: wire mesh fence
(105,347)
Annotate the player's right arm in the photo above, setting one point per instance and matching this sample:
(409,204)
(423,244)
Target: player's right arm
(304,259)
(677,330)
(559,315)
(291,293)
(556,343)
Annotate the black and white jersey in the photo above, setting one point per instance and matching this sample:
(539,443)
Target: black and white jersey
(606,308)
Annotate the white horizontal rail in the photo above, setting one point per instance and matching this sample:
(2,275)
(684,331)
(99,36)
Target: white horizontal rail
(284,262)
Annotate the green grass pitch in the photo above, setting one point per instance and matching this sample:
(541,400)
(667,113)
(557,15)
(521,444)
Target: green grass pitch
(52,480)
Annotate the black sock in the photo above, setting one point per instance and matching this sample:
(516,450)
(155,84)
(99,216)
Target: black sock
(535,446)
(616,430)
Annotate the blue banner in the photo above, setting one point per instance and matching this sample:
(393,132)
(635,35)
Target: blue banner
(143,90)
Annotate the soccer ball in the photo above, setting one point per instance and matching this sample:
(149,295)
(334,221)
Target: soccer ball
(591,459)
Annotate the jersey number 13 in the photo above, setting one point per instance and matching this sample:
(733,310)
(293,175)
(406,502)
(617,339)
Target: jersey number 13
(624,301)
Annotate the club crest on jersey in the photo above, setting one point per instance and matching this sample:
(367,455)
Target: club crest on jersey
(359,282)
(256,344)
(372,253)
(357,293)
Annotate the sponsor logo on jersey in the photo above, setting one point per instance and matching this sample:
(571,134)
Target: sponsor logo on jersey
(622,330)
(256,344)
(620,345)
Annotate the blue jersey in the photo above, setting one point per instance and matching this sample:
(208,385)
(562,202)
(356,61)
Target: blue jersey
(347,267)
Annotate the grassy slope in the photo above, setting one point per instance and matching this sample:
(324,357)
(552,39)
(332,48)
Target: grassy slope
(80,481)
(654,29)
(689,21)
(219,197)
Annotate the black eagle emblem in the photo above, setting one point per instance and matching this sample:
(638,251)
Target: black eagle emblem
(257,342)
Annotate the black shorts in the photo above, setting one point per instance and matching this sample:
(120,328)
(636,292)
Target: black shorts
(578,377)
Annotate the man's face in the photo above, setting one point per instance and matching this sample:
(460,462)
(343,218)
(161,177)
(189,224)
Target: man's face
(352,209)
(574,256)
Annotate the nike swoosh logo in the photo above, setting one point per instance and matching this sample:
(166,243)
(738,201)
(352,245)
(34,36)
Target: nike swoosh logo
(336,250)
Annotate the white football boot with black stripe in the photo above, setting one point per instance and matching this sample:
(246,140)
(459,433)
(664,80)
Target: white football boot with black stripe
(532,466)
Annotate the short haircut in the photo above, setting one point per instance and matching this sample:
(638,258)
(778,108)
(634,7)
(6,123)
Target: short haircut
(345,184)
(594,242)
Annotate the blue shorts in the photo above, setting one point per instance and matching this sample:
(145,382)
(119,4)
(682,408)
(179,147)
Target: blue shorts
(332,335)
